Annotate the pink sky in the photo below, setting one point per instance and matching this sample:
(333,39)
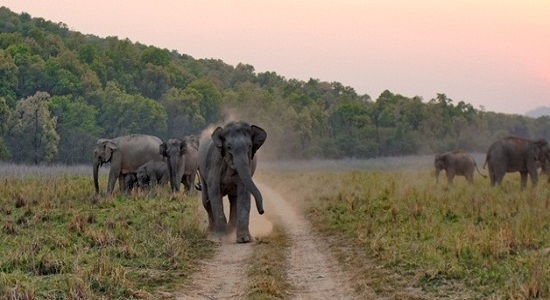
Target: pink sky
(488,53)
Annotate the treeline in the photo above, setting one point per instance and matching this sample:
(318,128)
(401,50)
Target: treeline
(61,90)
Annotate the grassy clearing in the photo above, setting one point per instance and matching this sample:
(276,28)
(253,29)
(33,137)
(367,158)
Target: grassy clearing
(56,243)
(394,227)
(267,271)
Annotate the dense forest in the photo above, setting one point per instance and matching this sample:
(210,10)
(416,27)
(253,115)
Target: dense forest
(61,90)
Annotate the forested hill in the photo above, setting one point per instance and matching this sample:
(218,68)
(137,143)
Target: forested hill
(61,90)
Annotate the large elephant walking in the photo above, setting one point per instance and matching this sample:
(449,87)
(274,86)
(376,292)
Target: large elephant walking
(125,154)
(227,162)
(182,160)
(514,154)
(456,163)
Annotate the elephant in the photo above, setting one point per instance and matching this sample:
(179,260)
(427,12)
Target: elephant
(182,160)
(456,162)
(126,154)
(227,161)
(152,173)
(130,181)
(544,168)
(515,154)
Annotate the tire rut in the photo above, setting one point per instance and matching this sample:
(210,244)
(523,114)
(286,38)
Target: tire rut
(312,271)
(222,277)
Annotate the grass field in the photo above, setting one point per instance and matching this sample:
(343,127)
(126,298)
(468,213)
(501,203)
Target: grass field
(393,227)
(389,226)
(57,243)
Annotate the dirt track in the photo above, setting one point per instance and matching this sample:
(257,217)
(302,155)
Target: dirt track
(313,273)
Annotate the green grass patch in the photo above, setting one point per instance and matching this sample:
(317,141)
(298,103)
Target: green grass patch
(57,243)
(395,227)
(267,271)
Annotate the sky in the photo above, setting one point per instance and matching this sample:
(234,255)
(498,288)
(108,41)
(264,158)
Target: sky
(493,54)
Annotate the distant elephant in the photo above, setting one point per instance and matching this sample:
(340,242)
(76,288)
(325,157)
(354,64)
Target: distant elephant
(125,154)
(514,154)
(456,163)
(544,168)
(130,181)
(152,173)
(227,162)
(182,159)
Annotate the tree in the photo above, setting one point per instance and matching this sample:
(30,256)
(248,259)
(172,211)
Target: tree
(8,76)
(4,118)
(32,135)
(184,114)
(153,81)
(211,100)
(77,128)
(122,113)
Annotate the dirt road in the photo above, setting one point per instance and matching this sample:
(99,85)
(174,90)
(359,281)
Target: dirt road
(312,271)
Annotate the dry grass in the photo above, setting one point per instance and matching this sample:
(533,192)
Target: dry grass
(267,271)
(56,243)
(395,227)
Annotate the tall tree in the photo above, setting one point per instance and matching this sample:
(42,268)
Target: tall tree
(4,118)
(32,135)
(77,128)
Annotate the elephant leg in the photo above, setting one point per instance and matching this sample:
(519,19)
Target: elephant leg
(491,175)
(534,176)
(232,212)
(208,208)
(523,176)
(216,205)
(499,177)
(186,183)
(113,174)
(189,183)
(122,184)
(243,214)
(450,176)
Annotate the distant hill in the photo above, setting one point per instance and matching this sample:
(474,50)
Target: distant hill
(539,112)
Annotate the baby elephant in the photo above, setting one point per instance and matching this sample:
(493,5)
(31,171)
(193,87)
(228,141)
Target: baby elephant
(152,173)
(130,180)
(456,162)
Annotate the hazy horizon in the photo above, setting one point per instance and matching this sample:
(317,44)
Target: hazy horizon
(491,54)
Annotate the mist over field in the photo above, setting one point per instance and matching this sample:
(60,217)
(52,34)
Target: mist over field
(413,162)
(22,171)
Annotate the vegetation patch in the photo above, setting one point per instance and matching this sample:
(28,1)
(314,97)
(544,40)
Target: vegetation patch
(56,243)
(267,271)
(399,226)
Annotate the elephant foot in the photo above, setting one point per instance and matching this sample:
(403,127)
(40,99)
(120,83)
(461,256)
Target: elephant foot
(244,238)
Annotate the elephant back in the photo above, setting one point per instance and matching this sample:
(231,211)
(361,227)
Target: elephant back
(138,149)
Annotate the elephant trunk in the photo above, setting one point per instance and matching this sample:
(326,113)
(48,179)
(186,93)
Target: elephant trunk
(437,170)
(173,169)
(96,183)
(242,167)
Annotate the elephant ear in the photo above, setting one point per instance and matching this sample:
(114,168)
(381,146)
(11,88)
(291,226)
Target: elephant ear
(163,149)
(219,139)
(194,142)
(110,147)
(258,138)
(183,146)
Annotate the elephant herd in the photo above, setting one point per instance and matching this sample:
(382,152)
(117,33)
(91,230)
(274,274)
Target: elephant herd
(509,154)
(224,161)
